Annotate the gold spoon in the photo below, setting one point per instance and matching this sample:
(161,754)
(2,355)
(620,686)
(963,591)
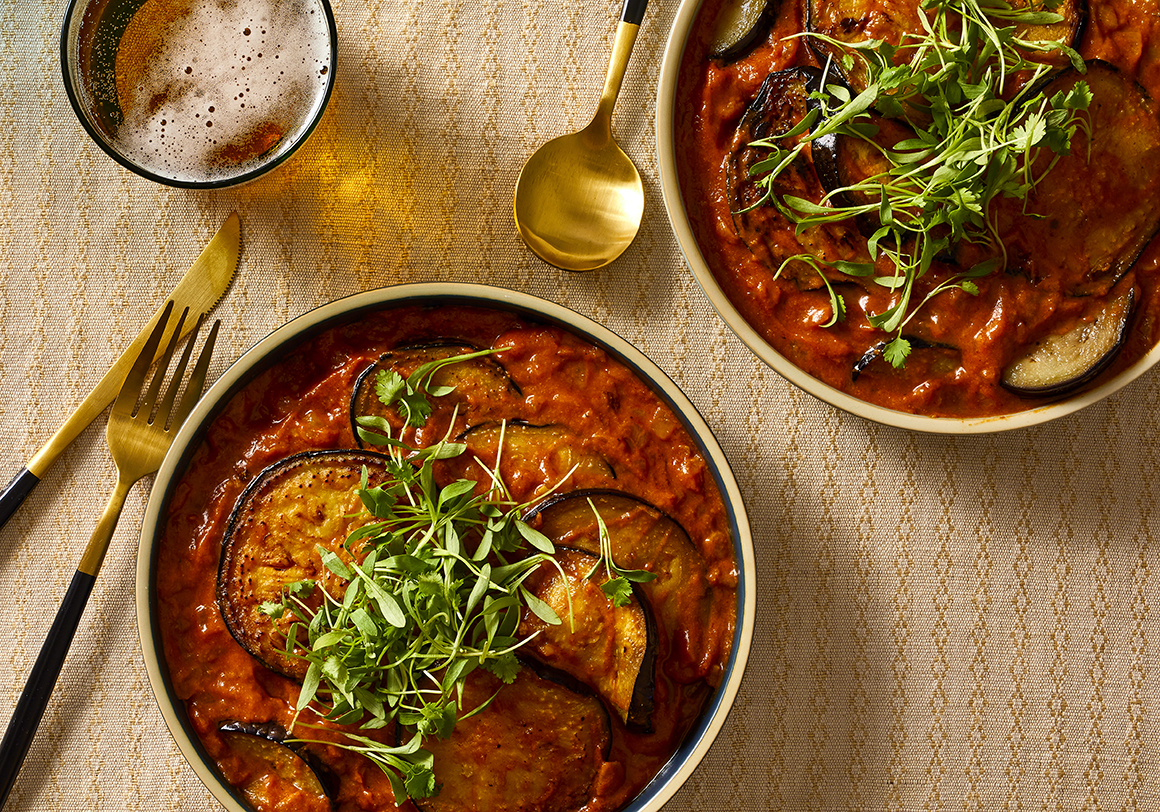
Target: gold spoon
(579,199)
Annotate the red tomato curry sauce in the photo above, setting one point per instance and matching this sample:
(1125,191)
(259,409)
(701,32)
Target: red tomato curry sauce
(302,403)
(971,340)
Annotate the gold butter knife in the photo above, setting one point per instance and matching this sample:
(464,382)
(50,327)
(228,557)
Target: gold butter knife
(200,288)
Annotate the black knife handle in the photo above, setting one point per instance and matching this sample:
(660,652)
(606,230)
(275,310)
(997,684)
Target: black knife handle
(633,11)
(14,494)
(41,681)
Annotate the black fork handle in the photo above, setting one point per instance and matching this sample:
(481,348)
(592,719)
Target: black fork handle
(633,11)
(41,680)
(15,493)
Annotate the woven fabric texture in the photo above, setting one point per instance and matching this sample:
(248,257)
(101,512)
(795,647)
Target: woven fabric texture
(943,623)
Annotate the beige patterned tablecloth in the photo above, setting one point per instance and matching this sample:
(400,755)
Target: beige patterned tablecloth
(943,623)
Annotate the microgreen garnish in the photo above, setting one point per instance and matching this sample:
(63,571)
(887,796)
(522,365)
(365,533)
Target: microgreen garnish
(618,586)
(975,139)
(434,589)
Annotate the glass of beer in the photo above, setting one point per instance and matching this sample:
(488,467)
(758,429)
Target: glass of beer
(199,94)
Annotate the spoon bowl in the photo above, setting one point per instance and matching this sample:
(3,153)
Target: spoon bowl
(579,199)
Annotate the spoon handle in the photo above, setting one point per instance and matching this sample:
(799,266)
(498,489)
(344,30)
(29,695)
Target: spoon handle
(633,11)
(630,19)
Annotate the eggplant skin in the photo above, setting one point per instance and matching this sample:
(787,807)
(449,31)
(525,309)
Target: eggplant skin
(611,649)
(876,351)
(1059,364)
(271,539)
(780,104)
(537,747)
(482,385)
(293,763)
(740,26)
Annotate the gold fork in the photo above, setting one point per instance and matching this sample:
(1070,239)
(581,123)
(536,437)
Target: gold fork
(138,437)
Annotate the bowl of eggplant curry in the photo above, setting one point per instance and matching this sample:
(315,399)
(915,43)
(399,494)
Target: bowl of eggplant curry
(938,215)
(445,548)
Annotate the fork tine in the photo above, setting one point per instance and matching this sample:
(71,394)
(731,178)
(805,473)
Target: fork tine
(162,417)
(150,400)
(197,379)
(131,388)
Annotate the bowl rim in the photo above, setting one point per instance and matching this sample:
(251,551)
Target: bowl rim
(72,21)
(264,354)
(672,57)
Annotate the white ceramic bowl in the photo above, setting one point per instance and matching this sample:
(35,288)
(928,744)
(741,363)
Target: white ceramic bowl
(273,347)
(678,216)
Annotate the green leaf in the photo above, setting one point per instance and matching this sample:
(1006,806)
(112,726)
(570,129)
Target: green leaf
(379,502)
(334,671)
(419,778)
(272,609)
(387,605)
(438,719)
(309,685)
(416,409)
(896,351)
(984,268)
(853,268)
(328,639)
(535,537)
(446,451)
(891,282)
(388,385)
(505,666)
(618,590)
(333,563)
(455,490)
(1079,97)
(539,608)
(806,206)
(889,107)
(636,576)
(364,623)
(482,582)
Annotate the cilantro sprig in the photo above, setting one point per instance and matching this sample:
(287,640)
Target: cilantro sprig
(975,140)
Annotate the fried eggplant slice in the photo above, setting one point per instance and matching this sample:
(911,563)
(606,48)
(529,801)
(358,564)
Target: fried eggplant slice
(536,747)
(265,745)
(272,538)
(1099,206)
(780,104)
(481,385)
(611,649)
(740,25)
(842,161)
(545,454)
(1069,30)
(849,22)
(643,537)
(950,357)
(1058,364)
(839,23)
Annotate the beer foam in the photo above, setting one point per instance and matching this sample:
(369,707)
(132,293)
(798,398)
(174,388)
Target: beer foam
(213,90)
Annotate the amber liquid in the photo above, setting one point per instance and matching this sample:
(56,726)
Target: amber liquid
(204,91)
